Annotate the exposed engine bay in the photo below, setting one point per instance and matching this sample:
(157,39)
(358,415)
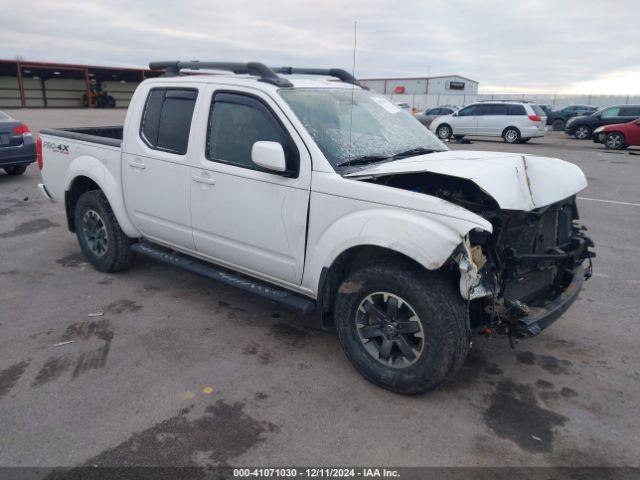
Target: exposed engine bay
(526,273)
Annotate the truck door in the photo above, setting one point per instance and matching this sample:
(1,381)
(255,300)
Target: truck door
(155,169)
(243,215)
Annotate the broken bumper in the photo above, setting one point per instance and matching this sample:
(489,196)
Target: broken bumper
(539,318)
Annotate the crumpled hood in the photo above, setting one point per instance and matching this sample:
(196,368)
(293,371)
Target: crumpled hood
(516,181)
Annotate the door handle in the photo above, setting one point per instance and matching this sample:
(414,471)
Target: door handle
(207,180)
(139,165)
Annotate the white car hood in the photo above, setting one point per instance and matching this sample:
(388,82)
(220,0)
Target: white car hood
(516,181)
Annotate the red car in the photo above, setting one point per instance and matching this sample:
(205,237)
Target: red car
(619,135)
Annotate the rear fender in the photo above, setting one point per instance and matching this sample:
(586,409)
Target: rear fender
(94,169)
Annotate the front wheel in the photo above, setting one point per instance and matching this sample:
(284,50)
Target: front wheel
(402,328)
(615,141)
(16,170)
(101,239)
(582,132)
(444,131)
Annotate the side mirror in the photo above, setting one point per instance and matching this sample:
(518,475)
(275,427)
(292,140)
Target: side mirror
(269,155)
(454,114)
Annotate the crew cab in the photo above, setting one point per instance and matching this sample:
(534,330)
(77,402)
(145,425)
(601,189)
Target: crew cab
(319,194)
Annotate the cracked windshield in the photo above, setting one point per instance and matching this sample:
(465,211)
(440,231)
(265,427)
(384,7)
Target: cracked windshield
(373,130)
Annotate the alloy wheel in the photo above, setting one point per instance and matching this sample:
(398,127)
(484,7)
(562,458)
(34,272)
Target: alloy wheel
(511,136)
(444,132)
(614,141)
(95,232)
(582,132)
(390,330)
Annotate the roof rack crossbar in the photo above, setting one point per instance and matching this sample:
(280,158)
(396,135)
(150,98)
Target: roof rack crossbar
(173,68)
(339,73)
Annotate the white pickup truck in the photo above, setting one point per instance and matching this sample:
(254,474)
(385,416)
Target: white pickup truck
(319,194)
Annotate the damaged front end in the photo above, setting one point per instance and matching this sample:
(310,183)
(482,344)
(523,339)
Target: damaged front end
(524,275)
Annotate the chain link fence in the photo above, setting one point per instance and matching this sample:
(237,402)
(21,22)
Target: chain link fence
(556,101)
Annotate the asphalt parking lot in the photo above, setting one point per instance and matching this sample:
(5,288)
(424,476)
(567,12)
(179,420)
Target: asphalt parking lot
(183,371)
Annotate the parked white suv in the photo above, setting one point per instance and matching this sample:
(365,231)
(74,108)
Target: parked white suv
(317,193)
(515,122)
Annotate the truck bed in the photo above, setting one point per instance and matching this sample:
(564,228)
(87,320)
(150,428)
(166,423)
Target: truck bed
(111,136)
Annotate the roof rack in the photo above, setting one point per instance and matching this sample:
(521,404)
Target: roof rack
(343,75)
(267,75)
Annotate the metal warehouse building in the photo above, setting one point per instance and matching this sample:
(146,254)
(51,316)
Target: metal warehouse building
(40,84)
(426,91)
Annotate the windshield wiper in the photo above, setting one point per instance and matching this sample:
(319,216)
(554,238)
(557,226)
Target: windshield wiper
(413,152)
(364,159)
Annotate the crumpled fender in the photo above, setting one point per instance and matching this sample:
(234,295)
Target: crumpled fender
(94,169)
(429,240)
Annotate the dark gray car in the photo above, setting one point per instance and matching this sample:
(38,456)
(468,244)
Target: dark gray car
(431,114)
(17,145)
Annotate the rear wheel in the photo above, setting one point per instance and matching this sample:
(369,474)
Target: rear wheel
(511,135)
(615,141)
(558,124)
(402,328)
(582,132)
(444,131)
(101,239)
(16,170)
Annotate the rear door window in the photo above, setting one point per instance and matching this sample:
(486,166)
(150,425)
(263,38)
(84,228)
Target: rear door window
(166,120)
(516,110)
(631,112)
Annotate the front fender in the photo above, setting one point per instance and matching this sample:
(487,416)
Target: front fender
(90,167)
(427,240)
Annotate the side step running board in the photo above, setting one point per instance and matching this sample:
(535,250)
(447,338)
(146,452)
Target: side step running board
(290,300)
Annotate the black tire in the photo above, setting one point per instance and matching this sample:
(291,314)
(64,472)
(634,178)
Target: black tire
(114,252)
(615,141)
(441,313)
(16,170)
(511,135)
(582,132)
(444,131)
(558,124)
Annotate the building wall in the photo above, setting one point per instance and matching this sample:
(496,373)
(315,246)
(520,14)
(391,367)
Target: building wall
(423,86)
(9,93)
(60,92)
(442,86)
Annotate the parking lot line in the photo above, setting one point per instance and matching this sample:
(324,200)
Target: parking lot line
(615,202)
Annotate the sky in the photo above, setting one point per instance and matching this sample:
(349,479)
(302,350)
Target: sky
(528,46)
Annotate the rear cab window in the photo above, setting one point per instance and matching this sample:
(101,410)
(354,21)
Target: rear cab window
(166,119)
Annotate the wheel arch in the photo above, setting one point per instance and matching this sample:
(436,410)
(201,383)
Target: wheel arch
(87,173)
(332,276)
(508,127)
